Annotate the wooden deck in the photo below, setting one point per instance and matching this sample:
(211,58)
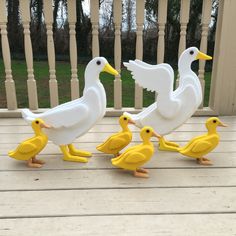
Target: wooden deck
(62,198)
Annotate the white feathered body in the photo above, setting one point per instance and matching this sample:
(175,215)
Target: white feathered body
(73,119)
(190,99)
(172,107)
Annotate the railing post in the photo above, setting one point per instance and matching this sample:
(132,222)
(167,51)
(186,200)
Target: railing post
(117,9)
(206,18)
(94,9)
(53,87)
(184,18)
(162,15)
(9,82)
(139,49)
(74,83)
(31,83)
(223,86)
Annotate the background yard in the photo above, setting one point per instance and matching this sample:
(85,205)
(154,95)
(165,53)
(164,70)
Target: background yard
(63,76)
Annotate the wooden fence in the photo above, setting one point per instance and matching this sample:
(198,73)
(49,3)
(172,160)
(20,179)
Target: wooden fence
(223,85)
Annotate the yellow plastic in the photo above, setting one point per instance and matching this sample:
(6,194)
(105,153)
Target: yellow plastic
(199,146)
(135,157)
(165,145)
(29,148)
(115,143)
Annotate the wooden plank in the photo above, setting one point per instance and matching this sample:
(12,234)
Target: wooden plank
(129,225)
(106,179)
(114,120)
(160,160)
(101,137)
(117,201)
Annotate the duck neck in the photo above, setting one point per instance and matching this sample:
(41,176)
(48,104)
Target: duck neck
(91,78)
(184,65)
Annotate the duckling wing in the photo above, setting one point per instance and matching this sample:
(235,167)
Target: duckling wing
(27,148)
(201,146)
(118,142)
(135,157)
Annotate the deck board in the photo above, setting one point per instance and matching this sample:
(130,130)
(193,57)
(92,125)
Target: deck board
(95,198)
(125,225)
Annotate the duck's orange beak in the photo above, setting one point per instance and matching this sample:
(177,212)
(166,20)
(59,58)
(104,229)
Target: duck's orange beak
(43,125)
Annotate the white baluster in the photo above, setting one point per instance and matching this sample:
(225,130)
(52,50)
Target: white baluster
(53,86)
(31,83)
(184,18)
(71,5)
(94,9)
(162,15)
(9,82)
(117,8)
(206,18)
(139,49)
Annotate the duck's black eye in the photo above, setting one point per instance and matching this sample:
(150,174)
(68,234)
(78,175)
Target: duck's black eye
(191,52)
(98,63)
(147,130)
(125,118)
(214,121)
(36,121)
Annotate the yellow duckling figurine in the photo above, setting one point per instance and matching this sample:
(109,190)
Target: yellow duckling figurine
(135,157)
(199,146)
(28,149)
(115,143)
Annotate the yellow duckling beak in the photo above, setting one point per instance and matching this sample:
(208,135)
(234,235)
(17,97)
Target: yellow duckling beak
(43,125)
(154,134)
(203,56)
(109,69)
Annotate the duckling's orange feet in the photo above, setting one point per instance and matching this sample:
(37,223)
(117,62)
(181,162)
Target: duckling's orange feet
(204,161)
(139,174)
(34,164)
(142,170)
(34,160)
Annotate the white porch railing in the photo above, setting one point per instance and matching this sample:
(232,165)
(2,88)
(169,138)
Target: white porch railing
(223,85)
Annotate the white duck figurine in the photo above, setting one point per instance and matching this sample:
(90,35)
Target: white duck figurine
(73,119)
(172,107)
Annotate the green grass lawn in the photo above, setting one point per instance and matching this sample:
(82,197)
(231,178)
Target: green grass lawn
(63,78)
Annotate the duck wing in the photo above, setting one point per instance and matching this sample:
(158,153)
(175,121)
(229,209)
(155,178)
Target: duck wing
(153,78)
(167,66)
(159,78)
(67,117)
